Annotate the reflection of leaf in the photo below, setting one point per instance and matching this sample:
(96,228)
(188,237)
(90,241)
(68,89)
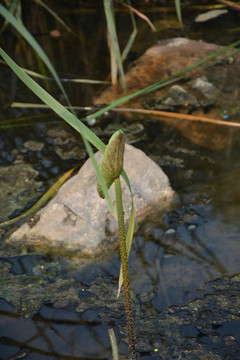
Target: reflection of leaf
(210,15)
(41,201)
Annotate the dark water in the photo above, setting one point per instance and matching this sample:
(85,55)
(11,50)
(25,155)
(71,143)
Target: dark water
(53,309)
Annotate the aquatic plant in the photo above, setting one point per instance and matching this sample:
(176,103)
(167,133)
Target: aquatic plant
(110,157)
(70,118)
(111,169)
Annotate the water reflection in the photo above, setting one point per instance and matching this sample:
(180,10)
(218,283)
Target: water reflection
(178,255)
(52,334)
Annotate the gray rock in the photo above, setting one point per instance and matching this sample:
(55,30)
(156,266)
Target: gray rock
(205,87)
(78,222)
(33,145)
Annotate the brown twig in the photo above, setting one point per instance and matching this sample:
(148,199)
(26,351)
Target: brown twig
(143,111)
(140,14)
(179,116)
(230,3)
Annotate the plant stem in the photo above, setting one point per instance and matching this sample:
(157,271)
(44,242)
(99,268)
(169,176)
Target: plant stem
(113,344)
(124,261)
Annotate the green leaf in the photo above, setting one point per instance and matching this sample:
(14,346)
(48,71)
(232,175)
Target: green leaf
(68,80)
(132,36)
(179,11)
(114,40)
(40,2)
(114,346)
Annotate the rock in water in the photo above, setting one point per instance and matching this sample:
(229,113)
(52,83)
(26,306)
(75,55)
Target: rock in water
(17,187)
(209,85)
(78,222)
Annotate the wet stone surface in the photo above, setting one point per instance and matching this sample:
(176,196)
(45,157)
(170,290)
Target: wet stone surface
(18,187)
(205,92)
(178,97)
(67,146)
(133,132)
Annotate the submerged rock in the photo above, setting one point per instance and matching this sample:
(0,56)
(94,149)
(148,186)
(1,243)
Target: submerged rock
(78,222)
(208,92)
(66,145)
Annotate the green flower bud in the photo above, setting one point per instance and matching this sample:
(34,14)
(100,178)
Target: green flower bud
(112,162)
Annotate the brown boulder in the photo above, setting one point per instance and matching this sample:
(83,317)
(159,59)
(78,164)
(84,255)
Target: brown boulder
(169,57)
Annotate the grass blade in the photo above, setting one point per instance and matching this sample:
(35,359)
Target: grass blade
(68,80)
(179,11)
(41,3)
(114,40)
(132,36)
(113,344)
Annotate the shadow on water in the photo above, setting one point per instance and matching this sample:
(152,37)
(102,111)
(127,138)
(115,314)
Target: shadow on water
(183,265)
